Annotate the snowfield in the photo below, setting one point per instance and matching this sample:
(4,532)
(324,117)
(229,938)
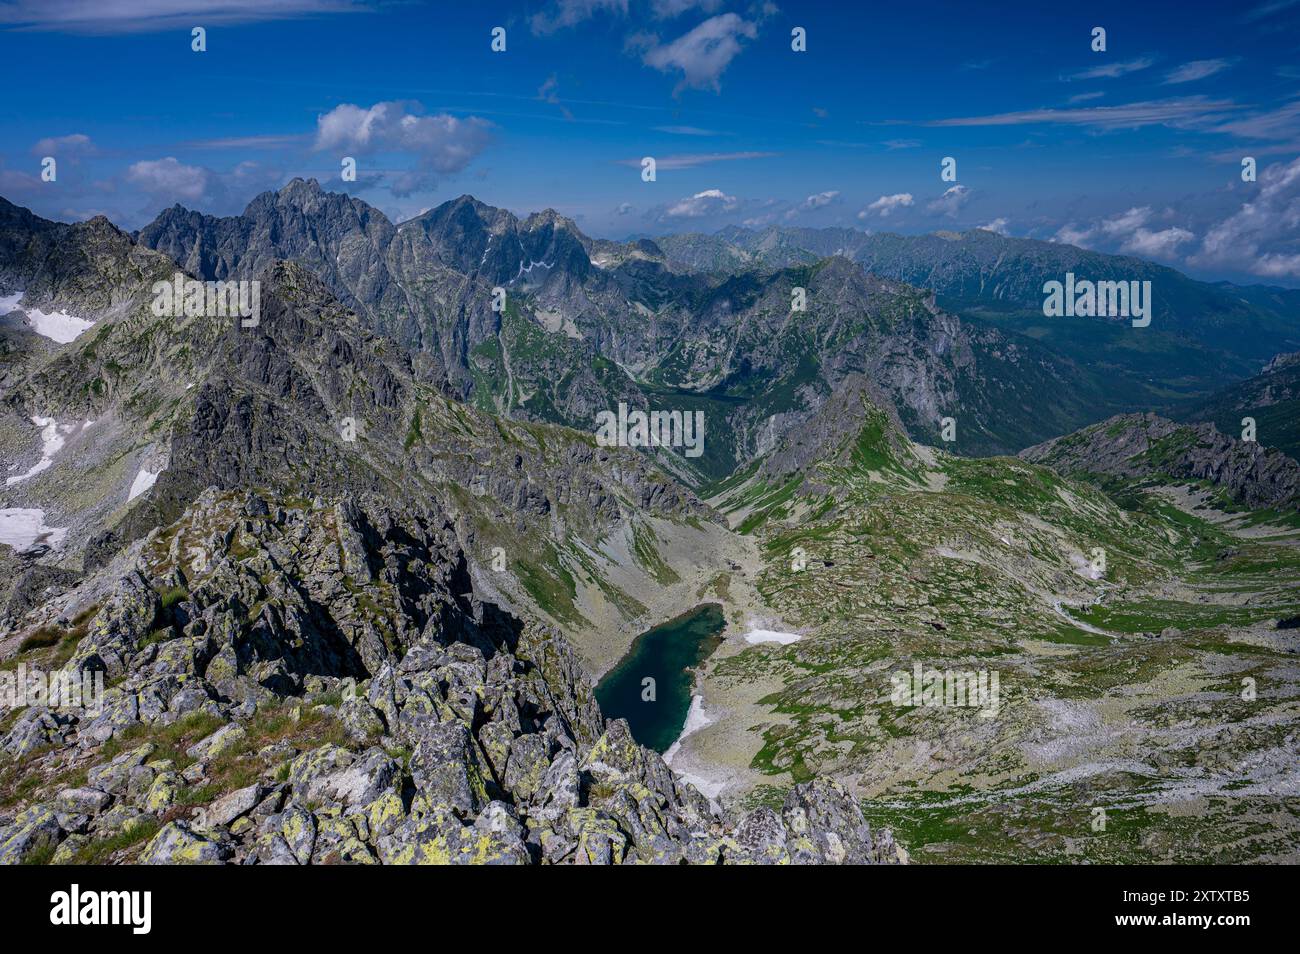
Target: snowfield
(21,528)
(771,636)
(58,326)
(53,437)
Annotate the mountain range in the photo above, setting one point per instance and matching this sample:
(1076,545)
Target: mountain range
(350,571)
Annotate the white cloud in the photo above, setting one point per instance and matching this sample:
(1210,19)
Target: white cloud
(1280,123)
(708,202)
(1263,236)
(568,13)
(951,202)
(1072,235)
(168,179)
(1126,222)
(1113,69)
(1196,70)
(886,205)
(818,201)
(690,160)
(443,144)
(688,131)
(1180,112)
(152,16)
(667,9)
(1162,244)
(1131,230)
(702,54)
(63,145)
(998,225)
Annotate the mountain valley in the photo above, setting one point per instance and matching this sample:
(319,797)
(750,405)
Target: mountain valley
(352,574)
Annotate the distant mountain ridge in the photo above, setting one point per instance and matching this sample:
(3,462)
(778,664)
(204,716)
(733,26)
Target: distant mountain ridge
(1271,399)
(1201,332)
(591,323)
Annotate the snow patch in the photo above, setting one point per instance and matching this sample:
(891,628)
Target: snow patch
(143,481)
(58,325)
(53,437)
(21,528)
(771,636)
(696,719)
(709,788)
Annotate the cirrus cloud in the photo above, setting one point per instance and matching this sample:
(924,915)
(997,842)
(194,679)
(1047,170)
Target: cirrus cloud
(1196,70)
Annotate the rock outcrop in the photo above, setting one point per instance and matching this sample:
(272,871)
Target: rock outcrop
(1148,446)
(296,682)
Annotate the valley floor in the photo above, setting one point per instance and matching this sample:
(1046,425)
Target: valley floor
(1155,718)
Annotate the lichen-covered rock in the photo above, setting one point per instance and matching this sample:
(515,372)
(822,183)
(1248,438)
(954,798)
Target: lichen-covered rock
(33,830)
(178,844)
(381,714)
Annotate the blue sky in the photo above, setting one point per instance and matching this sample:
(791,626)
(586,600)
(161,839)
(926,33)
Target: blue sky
(1133,149)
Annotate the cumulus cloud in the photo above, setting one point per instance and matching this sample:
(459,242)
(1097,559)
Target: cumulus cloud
(169,179)
(998,225)
(1114,228)
(818,201)
(1263,236)
(1126,222)
(1151,244)
(951,202)
(442,144)
(886,205)
(701,55)
(166,181)
(1071,234)
(1130,231)
(708,202)
(1196,70)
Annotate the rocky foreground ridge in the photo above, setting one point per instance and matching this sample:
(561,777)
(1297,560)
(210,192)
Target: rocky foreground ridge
(312,682)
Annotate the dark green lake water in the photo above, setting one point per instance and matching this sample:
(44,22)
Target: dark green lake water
(665,654)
